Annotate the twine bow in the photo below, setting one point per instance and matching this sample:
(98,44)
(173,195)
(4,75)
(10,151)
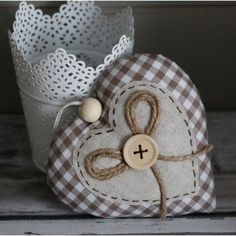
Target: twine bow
(108,173)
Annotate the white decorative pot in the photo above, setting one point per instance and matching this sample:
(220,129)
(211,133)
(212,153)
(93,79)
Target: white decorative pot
(58,58)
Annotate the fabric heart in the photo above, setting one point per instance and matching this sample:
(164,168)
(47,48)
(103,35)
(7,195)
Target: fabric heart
(181,132)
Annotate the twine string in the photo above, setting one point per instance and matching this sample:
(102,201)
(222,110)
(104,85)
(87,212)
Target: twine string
(163,208)
(60,112)
(108,173)
(134,100)
(189,157)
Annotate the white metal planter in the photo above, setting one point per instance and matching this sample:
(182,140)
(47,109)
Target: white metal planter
(58,58)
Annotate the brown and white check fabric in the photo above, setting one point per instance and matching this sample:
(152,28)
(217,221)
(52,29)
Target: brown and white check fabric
(62,177)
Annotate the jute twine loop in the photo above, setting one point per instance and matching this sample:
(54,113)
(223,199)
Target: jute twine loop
(131,106)
(108,173)
(104,174)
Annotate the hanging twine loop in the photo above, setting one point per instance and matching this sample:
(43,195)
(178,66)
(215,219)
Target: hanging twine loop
(60,112)
(90,110)
(130,108)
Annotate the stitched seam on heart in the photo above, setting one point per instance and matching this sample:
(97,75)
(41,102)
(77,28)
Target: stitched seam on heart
(113,122)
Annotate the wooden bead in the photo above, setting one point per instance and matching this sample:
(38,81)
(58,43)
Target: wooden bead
(90,110)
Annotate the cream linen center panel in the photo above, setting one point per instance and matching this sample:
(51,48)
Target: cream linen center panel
(173,136)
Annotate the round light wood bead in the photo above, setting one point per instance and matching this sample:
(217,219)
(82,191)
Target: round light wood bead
(90,110)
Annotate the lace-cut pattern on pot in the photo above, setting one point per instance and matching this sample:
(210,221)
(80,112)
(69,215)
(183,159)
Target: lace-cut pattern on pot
(58,58)
(91,42)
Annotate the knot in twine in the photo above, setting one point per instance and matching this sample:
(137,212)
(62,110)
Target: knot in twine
(108,173)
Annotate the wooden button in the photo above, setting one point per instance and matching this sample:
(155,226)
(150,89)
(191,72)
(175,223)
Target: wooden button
(140,151)
(90,110)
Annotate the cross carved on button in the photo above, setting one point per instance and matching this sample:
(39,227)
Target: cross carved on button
(140,151)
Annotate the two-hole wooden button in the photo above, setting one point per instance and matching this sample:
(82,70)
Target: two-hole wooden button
(140,152)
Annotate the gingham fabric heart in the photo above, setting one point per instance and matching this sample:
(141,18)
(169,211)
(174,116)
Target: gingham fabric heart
(64,175)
